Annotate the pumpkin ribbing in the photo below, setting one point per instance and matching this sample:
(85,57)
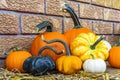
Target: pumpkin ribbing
(114,56)
(77,29)
(16,59)
(66,64)
(37,43)
(88,43)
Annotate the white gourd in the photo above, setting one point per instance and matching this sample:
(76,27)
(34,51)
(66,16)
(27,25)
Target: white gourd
(94,66)
(108,44)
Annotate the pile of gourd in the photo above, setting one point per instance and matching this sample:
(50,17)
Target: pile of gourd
(77,49)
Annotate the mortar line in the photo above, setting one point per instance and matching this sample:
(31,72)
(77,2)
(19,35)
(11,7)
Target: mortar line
(19,25)
(45,8)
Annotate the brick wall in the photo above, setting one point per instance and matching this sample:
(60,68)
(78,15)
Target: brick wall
(18,19)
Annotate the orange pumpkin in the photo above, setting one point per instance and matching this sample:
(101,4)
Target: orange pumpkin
(114,56)
(37,43)
(15,60)
(78,28)
(67,64)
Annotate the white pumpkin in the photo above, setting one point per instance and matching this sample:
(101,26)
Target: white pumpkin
(108,44)
(94,66)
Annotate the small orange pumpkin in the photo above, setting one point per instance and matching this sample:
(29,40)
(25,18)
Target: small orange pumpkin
(66,64)
(77,29)
(37,43)
(114,56)
(15,60)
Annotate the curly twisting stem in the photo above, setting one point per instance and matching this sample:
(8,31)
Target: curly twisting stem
(51,48)
(57,40)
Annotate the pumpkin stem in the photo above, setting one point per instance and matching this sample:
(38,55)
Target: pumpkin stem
(92,56)
(48,47)
(44,24)
(118,43)
(14,48)
(95,44)
(73,15)
(57,40)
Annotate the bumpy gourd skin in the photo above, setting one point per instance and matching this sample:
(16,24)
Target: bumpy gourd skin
(68,64)
(81,47)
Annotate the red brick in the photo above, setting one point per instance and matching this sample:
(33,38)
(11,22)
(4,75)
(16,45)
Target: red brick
(29,23)
(117,28)
(103,27)
(111,15)
(8,23)
(107,3)
(86,23)
(68,23)
(116,4)
(3,4)
(54,7)
(36,6)
(98,2)
(84,0)
(113,39)
(92,12)
(11,41)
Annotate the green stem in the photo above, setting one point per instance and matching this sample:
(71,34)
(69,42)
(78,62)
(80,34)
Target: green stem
(73,15)
(14,48)
(95,44)
(44,24)
(57,40)
(92,56)
(48,47)
(118,44)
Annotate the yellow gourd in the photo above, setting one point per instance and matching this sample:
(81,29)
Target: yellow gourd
(88,43)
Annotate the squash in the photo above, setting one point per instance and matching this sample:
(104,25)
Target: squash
(38,65)
(15,60)
(66,64)
(114,56)
(94,65)
(37,43)
(88,43)
(78,28)
(108,44)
